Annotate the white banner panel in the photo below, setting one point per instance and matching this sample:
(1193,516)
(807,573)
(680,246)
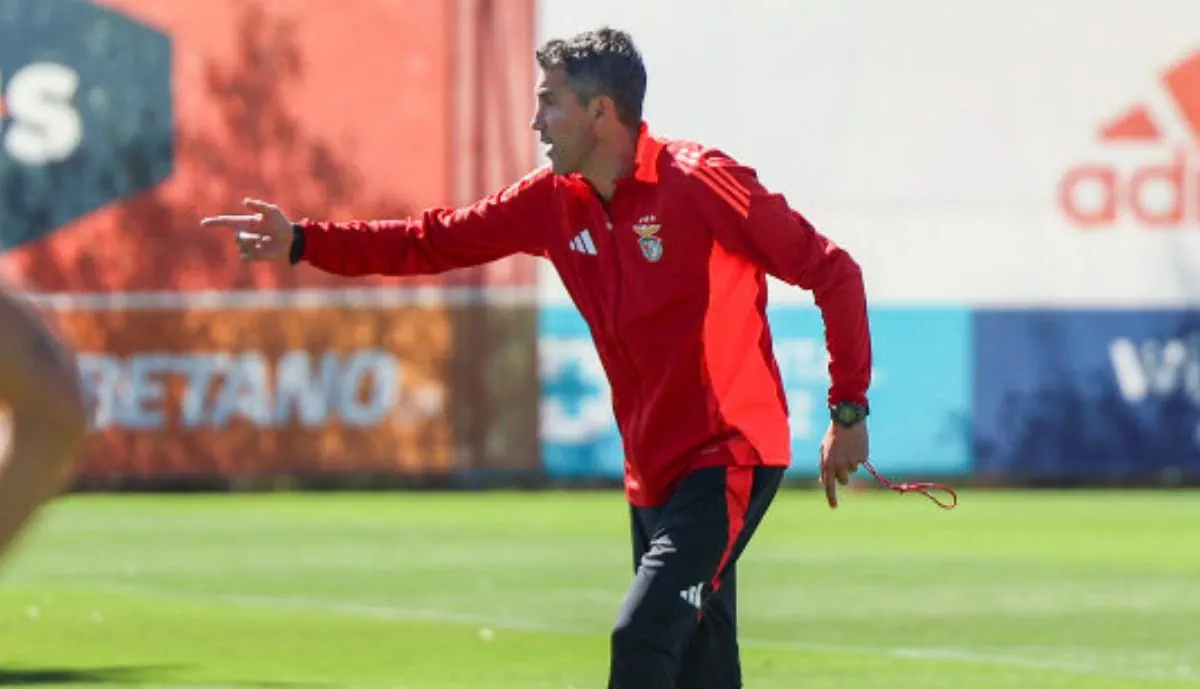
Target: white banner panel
(969,153)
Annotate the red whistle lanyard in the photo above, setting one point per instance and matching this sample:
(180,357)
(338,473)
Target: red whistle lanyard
(922,487)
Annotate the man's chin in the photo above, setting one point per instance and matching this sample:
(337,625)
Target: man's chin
(558,167)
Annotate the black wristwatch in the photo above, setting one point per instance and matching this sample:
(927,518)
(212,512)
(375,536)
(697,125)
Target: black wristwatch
(848,414)
(296,251)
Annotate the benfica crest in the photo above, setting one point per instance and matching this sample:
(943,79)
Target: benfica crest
(647,228)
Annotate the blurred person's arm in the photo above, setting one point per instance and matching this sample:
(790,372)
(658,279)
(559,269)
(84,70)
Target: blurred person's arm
(507,222)
(39,389)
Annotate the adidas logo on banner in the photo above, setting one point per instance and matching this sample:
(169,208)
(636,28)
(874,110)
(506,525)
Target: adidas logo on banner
(583,243)
(1158,188)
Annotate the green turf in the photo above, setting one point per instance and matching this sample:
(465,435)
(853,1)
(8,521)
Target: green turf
(423,591)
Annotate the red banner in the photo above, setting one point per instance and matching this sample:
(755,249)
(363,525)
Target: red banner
(199,364)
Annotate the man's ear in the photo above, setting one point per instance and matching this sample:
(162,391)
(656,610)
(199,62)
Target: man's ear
(602,106)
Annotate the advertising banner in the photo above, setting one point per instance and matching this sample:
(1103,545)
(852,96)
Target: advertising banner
(920,421)
(123,122)
(1088,395)
(254,392)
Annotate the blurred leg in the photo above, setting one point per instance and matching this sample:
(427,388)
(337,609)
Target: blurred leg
(46,418)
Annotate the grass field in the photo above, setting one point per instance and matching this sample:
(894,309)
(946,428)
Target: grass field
(428,591)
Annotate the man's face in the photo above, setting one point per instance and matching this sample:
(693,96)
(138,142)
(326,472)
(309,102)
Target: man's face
(563,123)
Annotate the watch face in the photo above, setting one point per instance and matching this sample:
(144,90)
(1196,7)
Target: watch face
(848,414)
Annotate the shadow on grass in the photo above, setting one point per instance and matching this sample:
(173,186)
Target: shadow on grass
(46,676)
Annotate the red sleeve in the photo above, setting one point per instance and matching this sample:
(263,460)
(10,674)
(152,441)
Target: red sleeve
(507,222)
(753,222)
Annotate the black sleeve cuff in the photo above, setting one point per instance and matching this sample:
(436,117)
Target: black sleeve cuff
(297,249)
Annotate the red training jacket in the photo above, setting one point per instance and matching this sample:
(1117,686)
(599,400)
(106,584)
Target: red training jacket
(671,280)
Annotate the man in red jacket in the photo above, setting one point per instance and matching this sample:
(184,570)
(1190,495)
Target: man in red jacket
(664,246)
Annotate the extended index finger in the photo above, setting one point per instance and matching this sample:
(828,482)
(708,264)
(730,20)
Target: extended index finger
(236,222)
(830,481)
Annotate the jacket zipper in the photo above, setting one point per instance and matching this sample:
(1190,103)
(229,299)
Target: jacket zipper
(630,365)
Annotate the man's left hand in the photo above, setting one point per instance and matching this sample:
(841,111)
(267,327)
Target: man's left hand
(842,450)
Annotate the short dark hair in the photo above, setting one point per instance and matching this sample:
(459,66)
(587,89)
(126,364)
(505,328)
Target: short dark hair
(603,61)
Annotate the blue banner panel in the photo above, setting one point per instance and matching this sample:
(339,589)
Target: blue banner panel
(920,421)
(1087,395)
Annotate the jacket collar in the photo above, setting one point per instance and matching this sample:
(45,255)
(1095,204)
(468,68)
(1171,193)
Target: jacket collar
(645,160)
